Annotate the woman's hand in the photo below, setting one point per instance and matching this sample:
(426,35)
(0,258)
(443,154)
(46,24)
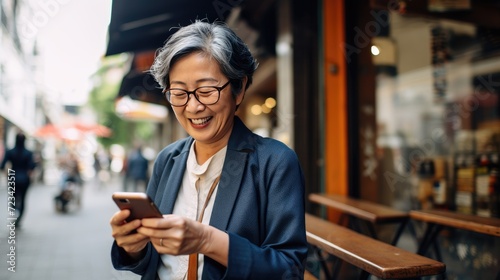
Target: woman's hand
(177,235)
(124,233)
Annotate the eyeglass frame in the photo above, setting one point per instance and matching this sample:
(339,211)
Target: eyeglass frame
(193,92)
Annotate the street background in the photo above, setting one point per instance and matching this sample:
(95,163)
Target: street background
(52,245)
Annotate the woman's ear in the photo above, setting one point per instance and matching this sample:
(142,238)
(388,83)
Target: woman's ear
(241,94)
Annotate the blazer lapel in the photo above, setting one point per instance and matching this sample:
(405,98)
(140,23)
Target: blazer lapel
(240,144)
(229,185)
(172,185)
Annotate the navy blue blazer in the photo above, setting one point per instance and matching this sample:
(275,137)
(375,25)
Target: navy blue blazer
(259,203)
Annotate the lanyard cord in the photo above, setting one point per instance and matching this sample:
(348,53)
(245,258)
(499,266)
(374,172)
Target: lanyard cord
(193,258)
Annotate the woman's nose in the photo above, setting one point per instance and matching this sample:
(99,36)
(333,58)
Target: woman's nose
(193,105)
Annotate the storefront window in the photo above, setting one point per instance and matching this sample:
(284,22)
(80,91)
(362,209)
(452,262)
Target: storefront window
(438,114)
(438,118)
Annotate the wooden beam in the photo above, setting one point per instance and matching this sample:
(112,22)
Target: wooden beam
(334,67)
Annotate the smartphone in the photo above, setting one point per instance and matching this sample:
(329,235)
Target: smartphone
(140,205)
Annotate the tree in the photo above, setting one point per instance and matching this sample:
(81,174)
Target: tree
(102,99)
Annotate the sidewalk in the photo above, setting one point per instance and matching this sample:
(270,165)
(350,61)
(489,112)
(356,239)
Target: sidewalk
(56,246)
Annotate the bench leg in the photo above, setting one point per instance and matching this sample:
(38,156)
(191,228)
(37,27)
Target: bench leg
(398,233)
(364,275)
(356,225)
(429,238)
(371,230)
(444,276)
(332,274)
(322,261)
(337,265)
(336,268)
(413,232)
(437,252)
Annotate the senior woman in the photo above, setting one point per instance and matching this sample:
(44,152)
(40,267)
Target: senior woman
(233,202)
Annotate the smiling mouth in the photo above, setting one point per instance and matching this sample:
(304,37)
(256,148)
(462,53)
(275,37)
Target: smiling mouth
(201,121)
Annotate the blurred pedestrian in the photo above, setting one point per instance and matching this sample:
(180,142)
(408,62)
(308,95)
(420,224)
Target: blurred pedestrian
(39,172)
(102,163)
(70,184)
(136,173)
(98,169)
(22,165)
(70,168)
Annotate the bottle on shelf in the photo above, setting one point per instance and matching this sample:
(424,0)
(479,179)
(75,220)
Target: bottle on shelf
(494,186)
(464,185)
(426,171)
(439,186)
(482,180)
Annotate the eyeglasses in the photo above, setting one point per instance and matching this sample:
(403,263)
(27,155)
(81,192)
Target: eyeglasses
(206,95)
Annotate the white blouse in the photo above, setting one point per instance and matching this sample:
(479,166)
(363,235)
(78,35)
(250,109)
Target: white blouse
(196,184)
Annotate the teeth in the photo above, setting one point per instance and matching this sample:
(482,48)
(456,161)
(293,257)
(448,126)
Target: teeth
(200,121)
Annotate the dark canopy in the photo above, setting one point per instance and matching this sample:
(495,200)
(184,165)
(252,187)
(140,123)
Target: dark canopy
(146,24)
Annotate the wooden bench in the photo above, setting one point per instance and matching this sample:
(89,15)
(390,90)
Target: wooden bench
(372,214)
(438,219)
(370,255)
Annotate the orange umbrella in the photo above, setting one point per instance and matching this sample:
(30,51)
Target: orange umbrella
(96,129)
(48,130)
(72,131)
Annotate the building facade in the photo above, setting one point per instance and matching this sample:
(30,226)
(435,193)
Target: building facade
(21,102)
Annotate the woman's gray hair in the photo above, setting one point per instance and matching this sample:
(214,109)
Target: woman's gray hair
(216,40)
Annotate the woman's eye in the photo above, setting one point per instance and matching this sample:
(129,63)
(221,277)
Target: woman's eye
(177,92)
(206,90)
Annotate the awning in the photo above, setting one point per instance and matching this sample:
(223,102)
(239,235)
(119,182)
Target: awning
(147,24)
(141,86)
(133,110)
